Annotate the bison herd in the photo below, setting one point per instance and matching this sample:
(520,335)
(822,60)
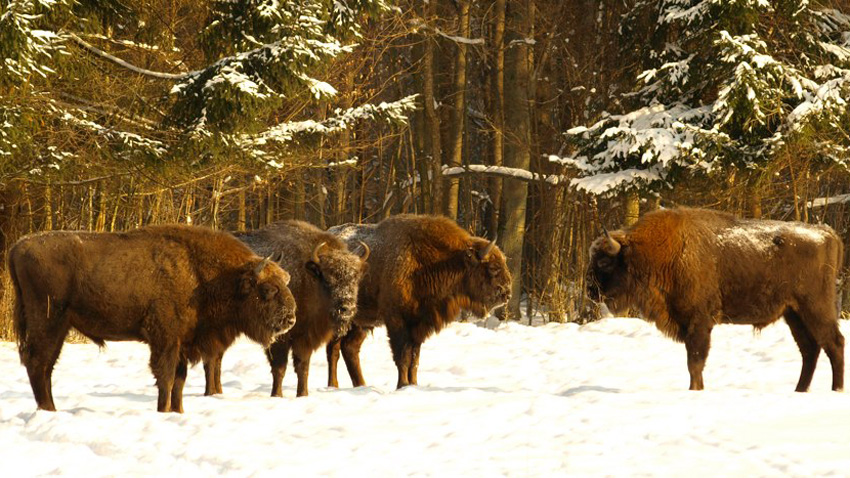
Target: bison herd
(189,292)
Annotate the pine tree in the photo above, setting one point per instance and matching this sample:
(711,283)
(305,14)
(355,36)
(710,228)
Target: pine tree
(723,86)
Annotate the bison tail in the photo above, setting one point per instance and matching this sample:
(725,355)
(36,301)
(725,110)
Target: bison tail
(19,317)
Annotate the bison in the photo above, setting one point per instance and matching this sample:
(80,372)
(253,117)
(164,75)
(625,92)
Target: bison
(325,277)
(689,269)
(423,270)
(186,291)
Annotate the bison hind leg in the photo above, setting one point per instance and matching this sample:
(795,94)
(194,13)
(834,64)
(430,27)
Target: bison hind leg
(821,321)
(809,348)
(40,350)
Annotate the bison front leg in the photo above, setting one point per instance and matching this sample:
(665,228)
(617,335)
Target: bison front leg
(278,355)
(414,363)
(351,344)
(177,388)
(697,344)
(212,374)
(402,347)
(164,360)
(301,363)
(332,352)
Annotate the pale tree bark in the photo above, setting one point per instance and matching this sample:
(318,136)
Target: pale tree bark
(497,113)
(459,111)
(632,208)
(432,119)
(517,141)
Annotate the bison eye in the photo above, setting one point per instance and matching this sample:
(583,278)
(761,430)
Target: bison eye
(604,262)
(268,291)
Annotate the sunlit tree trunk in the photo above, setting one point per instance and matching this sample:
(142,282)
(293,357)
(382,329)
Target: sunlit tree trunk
(517,141)
(459,111)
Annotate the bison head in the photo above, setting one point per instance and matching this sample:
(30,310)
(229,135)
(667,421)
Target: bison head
(607,277)
(268,304)
(487,281)
(338,273)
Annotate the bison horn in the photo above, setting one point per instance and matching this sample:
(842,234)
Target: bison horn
(366,251)
(262,265)
(316,252)
(613,245)
(484,254)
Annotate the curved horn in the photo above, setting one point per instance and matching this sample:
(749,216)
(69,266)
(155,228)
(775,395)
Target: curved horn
(262,265)
(613,245)
(315,256)
(366,251)
(484,254)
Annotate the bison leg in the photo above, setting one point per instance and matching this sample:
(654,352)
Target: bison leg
(164,361)
(402,347)
(414,363)
(42,349)
(332,351)
(212,374)
(697,344)
(278,355)
(301,363)
(177,388)
(351,344)
(809,348)
(822,322)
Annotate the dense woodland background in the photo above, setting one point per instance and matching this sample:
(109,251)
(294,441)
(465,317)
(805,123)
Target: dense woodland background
(117,114)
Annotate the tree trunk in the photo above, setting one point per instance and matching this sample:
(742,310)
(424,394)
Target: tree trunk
(517,143)
(459,111)
(433,119)
(497,113)
(632,208)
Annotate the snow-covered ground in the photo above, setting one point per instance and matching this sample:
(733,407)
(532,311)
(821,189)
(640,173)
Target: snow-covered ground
(605,399)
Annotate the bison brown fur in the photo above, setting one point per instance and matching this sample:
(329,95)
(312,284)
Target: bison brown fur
(689,269)
(325,277)
(186,291)
(423,270)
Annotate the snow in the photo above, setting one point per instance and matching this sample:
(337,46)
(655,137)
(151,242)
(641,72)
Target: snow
(605,399)
(760,235)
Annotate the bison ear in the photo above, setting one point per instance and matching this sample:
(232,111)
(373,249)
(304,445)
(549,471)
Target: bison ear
(268,291)
(314,269)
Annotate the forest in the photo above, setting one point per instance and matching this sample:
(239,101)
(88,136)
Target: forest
(537,122)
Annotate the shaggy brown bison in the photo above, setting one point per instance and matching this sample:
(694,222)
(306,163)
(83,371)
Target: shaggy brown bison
(689,269)
(186,291)
(422,272)
(325,276)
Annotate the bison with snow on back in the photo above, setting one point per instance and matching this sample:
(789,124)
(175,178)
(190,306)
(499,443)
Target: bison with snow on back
(423,270)
(325,277)
(186,291)
(690,269)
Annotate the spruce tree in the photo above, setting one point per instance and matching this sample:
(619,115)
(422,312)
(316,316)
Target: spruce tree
(722,86)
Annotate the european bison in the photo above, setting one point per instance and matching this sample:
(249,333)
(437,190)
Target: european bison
(689,269)
(422,272)
(186,291)
(325,277)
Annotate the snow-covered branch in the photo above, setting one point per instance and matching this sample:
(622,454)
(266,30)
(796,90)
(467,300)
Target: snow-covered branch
(129,66)
(505,172)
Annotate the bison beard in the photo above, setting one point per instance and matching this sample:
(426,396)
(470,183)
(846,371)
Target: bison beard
(689,269)
(325,277)
(422,272)
(186,291)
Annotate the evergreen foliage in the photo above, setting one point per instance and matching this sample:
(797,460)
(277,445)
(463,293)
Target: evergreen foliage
(724,84)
